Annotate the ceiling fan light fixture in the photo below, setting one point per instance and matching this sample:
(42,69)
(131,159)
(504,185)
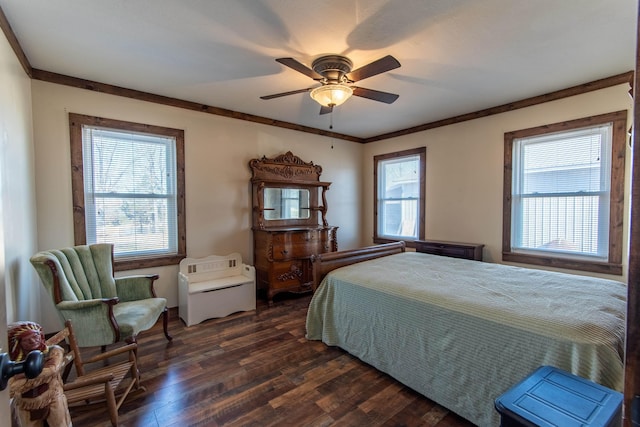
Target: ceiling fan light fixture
(331,94)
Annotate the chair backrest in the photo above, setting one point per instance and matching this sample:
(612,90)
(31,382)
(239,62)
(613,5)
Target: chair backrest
(77,273)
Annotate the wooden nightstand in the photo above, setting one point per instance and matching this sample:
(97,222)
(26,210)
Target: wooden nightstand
(472,251)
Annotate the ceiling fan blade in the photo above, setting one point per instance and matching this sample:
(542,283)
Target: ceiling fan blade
(376,95)
(382,65)
(326,110)
(278,95)
(299,67)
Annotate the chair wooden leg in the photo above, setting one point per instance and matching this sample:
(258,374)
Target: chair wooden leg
(165,324)
(133,340)
(111,404)
(103,349)
(135,372)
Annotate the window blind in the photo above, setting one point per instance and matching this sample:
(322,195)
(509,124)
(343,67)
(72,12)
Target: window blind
(561,191)
(130,191)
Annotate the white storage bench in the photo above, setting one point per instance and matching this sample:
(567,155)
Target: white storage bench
(215,286)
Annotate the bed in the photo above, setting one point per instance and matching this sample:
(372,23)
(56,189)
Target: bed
(462,332)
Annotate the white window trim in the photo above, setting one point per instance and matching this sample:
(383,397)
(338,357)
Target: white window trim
(90,195)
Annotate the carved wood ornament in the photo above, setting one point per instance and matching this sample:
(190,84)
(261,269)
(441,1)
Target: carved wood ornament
(286,166)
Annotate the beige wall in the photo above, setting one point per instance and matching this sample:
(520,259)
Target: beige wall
(465,166)
(217,152)
(464,171)
(18,295)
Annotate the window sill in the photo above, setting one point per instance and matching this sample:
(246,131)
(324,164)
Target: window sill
(124,264)
(571,264)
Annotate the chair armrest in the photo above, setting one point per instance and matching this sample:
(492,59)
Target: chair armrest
(133,288)
(82,305)
(111,353)
(88,379)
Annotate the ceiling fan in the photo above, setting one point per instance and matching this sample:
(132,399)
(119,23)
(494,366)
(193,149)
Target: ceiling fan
(336,79)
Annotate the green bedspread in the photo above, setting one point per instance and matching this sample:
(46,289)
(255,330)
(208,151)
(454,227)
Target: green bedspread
(463,332)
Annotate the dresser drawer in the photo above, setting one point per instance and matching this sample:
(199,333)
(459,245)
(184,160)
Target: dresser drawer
(284,252)
(470,251)
(295,237)
(294,245)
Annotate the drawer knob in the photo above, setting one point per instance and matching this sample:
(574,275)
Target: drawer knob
(284,252)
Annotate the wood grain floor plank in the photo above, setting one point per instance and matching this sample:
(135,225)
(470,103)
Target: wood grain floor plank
(348,391)
(257,369)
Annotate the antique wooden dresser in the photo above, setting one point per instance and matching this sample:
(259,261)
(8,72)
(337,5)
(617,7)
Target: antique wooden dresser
(289,223)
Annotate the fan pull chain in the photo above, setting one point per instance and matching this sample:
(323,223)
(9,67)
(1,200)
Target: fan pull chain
(331,125)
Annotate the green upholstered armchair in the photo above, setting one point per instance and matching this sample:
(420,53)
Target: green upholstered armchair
(103,309)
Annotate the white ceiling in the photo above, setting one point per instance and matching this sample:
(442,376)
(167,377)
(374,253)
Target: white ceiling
(457,56)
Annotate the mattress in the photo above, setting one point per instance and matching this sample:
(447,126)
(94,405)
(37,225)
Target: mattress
(463,332)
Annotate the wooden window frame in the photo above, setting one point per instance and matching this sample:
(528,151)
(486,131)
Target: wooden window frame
(422,152)
(613,265)
(76,122)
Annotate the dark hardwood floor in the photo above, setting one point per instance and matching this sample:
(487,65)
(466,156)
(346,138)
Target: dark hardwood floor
(257,369)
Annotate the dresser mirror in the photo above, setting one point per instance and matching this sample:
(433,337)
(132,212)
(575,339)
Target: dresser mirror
(285,203)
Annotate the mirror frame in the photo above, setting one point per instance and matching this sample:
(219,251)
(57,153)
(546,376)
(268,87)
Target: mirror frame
(287,171)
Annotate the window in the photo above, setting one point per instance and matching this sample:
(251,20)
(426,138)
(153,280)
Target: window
(564,194)
(399,195)
(128,189)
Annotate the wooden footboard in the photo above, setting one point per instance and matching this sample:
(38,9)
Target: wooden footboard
(324,263)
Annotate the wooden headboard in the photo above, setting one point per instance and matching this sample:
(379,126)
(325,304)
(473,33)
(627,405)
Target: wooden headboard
(322,264)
